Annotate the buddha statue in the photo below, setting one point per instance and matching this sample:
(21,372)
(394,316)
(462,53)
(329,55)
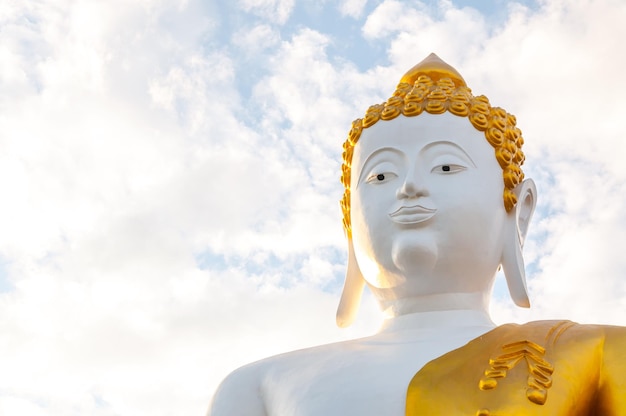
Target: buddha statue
(435,203)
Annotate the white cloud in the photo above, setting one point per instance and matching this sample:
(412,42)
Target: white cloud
(257,39)
(277,11)
(391,17)
(415,32)
(16,406)
(114,191)
(192,92)
(352,8)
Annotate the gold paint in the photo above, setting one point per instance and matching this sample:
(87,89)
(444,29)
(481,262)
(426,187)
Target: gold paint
(558,330)
(540,371)
(435,69)
(545,368)
(435,87)
(488,383)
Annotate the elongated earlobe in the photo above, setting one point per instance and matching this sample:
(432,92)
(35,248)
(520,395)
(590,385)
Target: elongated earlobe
(352,291)
(517,227)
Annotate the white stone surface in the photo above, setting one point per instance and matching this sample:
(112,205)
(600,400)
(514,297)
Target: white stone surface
(429,233)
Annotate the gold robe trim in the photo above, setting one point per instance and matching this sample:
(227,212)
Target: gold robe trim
(555,368)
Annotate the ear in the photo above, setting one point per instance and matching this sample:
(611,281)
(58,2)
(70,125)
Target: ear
(352,291)
(516,229)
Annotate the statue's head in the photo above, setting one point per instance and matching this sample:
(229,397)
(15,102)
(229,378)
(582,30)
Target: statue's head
(435,199)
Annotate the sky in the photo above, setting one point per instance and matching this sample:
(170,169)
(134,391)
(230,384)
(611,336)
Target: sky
(169,172)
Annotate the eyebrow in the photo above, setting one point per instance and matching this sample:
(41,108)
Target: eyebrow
(372,155)
(445,143)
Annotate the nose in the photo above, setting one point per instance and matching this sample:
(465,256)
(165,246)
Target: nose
(413,186)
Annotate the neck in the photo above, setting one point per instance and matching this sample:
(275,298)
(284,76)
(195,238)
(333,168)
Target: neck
(457,321)
(477,301)
(448,310)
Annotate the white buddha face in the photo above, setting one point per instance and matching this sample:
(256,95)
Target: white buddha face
(427,212)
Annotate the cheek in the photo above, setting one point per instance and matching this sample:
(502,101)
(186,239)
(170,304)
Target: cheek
(474,232)
(370,225)
(370,207)
(366,227)
(479,190)
(476,211)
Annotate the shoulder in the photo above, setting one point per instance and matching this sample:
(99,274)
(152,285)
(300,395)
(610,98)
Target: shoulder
(240,393)
(560,334)
(614,334)
(560,331)
(250,389)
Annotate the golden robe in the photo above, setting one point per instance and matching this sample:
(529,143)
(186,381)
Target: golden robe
(555,368)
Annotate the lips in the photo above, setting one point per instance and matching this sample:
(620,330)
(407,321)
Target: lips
(412,215)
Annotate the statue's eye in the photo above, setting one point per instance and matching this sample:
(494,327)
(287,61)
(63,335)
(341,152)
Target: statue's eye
(381,173)
(448,168)
(380,178)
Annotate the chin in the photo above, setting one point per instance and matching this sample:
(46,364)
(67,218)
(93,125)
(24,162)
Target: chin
(414,254)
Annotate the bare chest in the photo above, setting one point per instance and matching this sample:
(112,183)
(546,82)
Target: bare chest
(361,381)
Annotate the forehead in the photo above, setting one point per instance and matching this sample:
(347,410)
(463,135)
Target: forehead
(409,135)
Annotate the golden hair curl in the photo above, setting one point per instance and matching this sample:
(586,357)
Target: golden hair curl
(437,97)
